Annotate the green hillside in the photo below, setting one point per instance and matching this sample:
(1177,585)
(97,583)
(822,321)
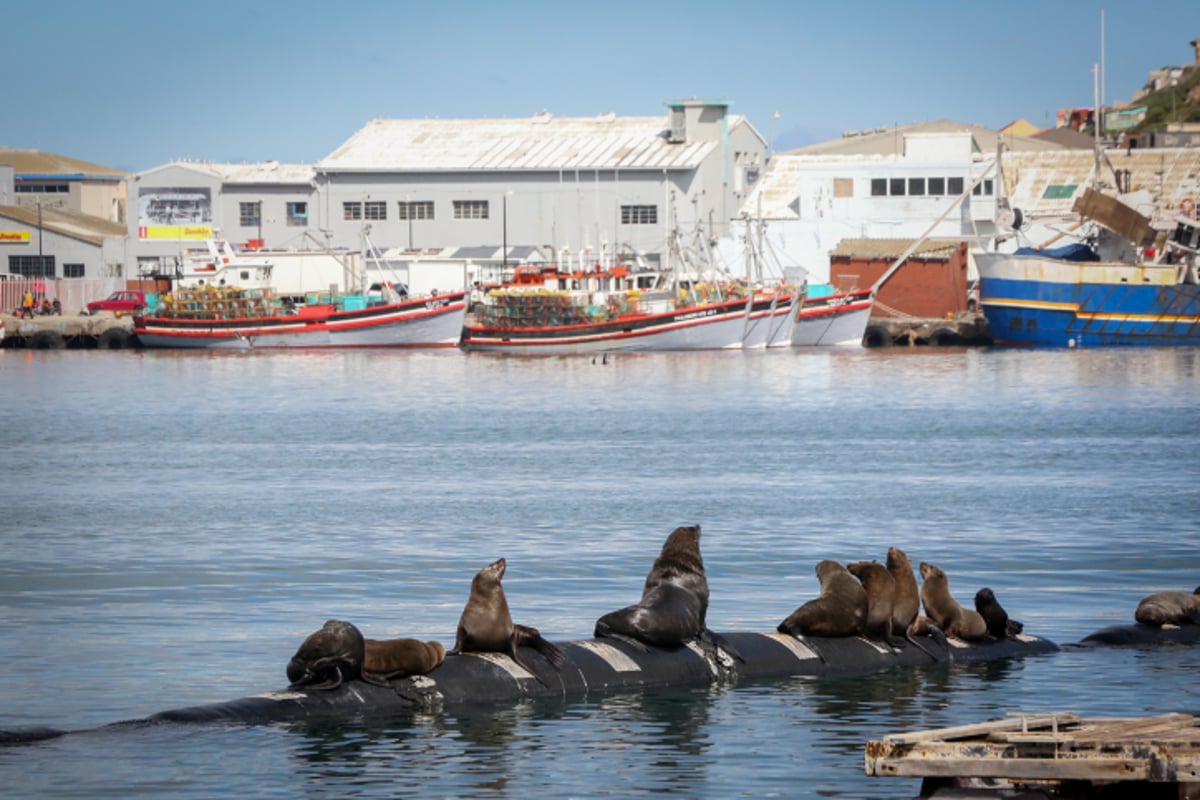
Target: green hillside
(1159,109)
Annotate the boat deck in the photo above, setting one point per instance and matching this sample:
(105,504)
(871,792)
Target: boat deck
(1060,753)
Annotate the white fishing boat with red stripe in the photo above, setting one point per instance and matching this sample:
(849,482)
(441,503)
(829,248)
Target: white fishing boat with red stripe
(833,319)
(243,319)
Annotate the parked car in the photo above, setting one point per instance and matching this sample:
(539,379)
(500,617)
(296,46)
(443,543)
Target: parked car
(123,302)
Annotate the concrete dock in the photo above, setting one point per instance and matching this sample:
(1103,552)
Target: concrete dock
(102,330)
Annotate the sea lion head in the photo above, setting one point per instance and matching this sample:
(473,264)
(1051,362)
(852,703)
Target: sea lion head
(929,571)
(683,540)
(897,558)
(328,657)
(984,597)
(492,573)
(827,568)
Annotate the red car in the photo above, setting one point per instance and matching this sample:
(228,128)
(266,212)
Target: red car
(128,301)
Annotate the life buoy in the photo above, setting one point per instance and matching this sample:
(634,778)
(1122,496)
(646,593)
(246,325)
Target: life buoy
(1187,205)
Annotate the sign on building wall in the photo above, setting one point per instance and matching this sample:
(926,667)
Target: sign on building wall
(14,237)
(174,213)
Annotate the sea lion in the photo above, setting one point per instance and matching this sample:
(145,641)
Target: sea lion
(674,605)
(999,624)
(944,610)
(328,657)
(486,624)
(339,652)
(880,586)
(1169,608)
(840,610)
(908,596)
(398,658)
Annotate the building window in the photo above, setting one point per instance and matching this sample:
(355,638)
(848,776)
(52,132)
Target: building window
(985,188)
(416,209)
(72,270)
(878,187)
(916,187)
(896,187)
(955,185)
(937,186)
(250,214)
(470,209)
(843,187)
(639,215)
(32,266)
(42,188)
(375,209)
(351,210)
(297,214)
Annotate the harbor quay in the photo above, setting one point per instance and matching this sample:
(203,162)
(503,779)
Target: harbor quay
(108,331)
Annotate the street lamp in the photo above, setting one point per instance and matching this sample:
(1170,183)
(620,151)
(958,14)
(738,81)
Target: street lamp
(504,233)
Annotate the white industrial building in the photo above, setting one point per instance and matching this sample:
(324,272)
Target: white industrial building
(572,188)
(890,183)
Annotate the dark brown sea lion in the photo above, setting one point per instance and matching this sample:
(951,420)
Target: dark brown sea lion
(328,657)
(944,610)
(1169,608)
(398,658)
(908,595)
(338,653)
(674,605)
(999,624)
(486,624)
(841,609)
(880,587)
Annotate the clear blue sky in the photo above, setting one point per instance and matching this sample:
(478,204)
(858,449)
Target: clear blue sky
(137,84)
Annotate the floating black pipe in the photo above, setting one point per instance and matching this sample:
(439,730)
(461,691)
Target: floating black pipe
(1139,634)
(598,665)
(589,666)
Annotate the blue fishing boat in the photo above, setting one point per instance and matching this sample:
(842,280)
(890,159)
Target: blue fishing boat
(1125,283)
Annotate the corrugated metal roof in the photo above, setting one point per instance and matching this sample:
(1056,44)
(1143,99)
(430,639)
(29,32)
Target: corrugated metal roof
(1037,182)
(941,249)
(266,172)
(36,162)
(889,140)
(541,142)
(67,223)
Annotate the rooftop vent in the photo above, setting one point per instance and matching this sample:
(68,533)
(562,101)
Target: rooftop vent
(542,117)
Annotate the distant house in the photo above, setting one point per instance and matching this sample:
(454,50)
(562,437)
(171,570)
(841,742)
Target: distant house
(53,181)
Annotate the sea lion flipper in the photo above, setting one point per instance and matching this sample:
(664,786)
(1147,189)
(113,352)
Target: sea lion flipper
(923,626)
(531,637)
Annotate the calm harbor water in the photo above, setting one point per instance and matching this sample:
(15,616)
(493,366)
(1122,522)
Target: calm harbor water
(174,524)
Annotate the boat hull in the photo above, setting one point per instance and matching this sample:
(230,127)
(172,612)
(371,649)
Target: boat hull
(1035,301)
(711,327)
(769,322)
(833,320)
(428,322)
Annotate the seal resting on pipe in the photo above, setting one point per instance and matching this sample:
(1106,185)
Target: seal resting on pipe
(339,652)
(999,624)
(944,610)
(1169,608)
(840,610)
(674,605)
(486,624)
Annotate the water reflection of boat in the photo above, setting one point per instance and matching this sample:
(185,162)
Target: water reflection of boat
(235,318)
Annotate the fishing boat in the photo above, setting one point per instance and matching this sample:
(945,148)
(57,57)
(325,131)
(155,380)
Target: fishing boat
(551,311)
(833,318)
(210,317)
(1123,277)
